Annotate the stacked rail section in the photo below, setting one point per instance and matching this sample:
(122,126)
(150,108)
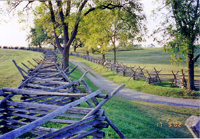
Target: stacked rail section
(48,97)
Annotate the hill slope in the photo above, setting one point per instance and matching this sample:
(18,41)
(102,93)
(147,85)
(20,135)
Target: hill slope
(9,74)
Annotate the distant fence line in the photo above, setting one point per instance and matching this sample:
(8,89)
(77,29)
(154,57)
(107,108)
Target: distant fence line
(178,78)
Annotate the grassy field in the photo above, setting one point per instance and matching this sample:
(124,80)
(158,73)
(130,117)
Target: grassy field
(136,119)
(149,57)
(9,74)
(165,90)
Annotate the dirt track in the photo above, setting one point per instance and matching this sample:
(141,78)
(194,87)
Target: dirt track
(109,86)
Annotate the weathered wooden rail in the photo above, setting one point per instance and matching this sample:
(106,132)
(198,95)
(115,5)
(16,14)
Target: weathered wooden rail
(174,79)
(137,73)
(48,97)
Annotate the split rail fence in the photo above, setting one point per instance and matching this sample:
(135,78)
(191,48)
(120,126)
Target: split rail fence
(139,73)
(48,97)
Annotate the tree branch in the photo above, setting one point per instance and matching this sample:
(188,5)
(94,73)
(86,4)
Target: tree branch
(15,5)
(54,27)
(68,8)
(196,58)
(65,25)
(108,6)
(74,32)
(30,1)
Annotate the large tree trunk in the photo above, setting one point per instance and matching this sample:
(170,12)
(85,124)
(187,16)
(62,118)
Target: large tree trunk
(74,48)
(103,57)
(190,83)
(65,58)
(114,55)
(40,45)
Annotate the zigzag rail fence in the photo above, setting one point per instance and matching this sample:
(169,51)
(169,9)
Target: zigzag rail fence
(139,73)
(47,95)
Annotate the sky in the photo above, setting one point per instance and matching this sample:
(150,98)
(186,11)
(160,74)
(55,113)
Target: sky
(12,34)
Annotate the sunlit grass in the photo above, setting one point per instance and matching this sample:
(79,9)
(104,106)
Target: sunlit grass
(9,74)
(149,57)
(140,85)
(136,119)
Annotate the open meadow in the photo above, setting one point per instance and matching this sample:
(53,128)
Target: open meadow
(9,74)
(136,119)
(148,58)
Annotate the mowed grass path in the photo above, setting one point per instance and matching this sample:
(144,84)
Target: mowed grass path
(9,74)
(136,119)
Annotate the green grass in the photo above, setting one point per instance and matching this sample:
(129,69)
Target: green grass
(149,57)
(136,119)
(139,85)
(9,74)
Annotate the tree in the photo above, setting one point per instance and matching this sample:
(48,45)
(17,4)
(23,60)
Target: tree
(183,29)
(93,31)
(67,6)
(42,16)
(37,35)
(106,28)
(61,11)
(125,28)
(77,43)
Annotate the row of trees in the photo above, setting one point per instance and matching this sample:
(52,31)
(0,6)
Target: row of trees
(104,26)
(77,19)
(102,23)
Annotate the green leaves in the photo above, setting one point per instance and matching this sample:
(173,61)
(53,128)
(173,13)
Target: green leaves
(37,35)
(181,27)
(92,30)
(122,25)
(177,48)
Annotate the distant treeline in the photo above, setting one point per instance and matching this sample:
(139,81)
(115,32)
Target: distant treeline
(11,47)
(24,48)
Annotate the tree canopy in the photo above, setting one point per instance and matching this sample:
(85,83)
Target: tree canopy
(108,29)
(67,15)
(37,35)
(93,32)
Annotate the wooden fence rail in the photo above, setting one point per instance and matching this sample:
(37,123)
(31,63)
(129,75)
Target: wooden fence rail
(138,73)
(48,95)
